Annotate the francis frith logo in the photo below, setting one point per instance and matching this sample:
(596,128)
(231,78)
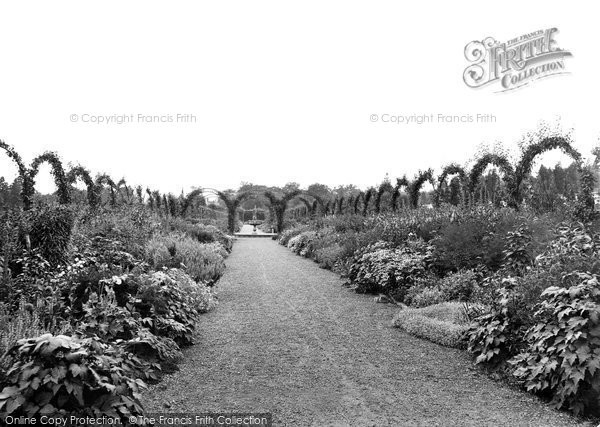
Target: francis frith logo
(514,63)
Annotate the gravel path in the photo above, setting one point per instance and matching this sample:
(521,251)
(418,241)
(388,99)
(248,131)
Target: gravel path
(287,339)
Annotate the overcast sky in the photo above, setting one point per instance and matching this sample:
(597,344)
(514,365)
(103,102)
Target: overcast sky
(281,91)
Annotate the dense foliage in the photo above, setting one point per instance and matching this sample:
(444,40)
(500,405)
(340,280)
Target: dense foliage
(97,302)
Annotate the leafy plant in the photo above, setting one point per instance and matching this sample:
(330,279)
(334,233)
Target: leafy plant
(562,358)
(497,336)
(384,270)
(166,310)
(61,375)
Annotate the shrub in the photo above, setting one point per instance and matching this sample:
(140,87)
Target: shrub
(391,271)
(203,262)
(63,376)
(166,309)
(460,286)
(202,298)
(302,244)
(562,358)
(442,323)
(287,234)
(49,230)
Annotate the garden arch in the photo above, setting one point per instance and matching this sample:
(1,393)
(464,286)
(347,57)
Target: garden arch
(189,199)
(79,172)
(483,162)
(27,189)
(104,179)
(531,152)
(367,198)
(280,205)
(60,180)
(400,183)
(414,188)
(385,187)
(360,198)
(452,169)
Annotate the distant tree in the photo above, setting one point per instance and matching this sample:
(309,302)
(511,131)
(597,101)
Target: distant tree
(320,190)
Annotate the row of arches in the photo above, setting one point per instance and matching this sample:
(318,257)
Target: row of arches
(64,180)
(362,203)
(513,177)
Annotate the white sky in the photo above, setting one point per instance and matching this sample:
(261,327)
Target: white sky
(282,91)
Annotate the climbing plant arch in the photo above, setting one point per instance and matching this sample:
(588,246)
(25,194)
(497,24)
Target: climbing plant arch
(385,187)
(232,203)
(79,172)
(400,183)
(58,173)
(280,204)
(497,160)
(309,205)
(414,187)
(360,197)
(452,169)
(104,179)
(350,204)
(139,192)
(122,184)
(319,201)
(340,205)
(315,207)
(367,198)
(529,155)
(189,199)
(27,187)
(150,198)
(327,207)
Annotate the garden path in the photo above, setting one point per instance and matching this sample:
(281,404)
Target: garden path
(288,339)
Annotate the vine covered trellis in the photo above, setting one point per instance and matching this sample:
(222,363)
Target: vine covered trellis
(464,185)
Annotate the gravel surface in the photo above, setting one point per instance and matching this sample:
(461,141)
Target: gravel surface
(287,339)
